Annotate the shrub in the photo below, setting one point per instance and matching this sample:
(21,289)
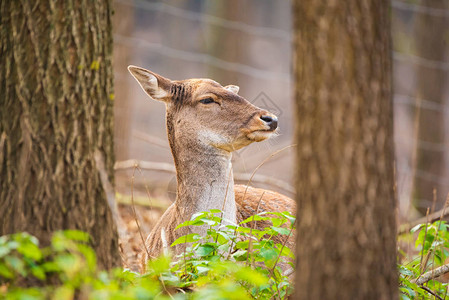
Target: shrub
(432,244)
(230,262)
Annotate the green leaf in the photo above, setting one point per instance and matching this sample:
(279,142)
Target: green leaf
(159,265)
(16,264)
(4,251)
(89,255)
(202,269)
(199,215)
(188,238)
(281,230)
(269,255)
(240,255)
(76,235)
(30,250)
(251,276)
(38,272)
(254,218)
(205,250)
(190,223)
(404,270)
(5,271)
(286,251)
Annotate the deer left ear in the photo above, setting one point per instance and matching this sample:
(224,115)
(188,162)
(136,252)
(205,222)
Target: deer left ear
(233,88)
(156,86)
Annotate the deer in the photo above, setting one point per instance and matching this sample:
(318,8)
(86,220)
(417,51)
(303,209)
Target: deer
(205,123)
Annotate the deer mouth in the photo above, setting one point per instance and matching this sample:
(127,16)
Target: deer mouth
(261,135)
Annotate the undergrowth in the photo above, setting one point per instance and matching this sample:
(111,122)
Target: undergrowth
(419,276)
(229,262)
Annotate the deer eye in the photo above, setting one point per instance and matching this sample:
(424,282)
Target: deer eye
(207,101)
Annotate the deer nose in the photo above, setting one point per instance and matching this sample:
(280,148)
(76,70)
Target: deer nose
(271,121)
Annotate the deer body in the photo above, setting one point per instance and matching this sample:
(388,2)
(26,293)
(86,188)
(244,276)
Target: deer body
(205,123)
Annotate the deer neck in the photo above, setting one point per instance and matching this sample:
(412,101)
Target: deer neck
(204,179)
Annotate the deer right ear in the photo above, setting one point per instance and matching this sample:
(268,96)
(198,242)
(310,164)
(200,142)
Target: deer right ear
(156,86)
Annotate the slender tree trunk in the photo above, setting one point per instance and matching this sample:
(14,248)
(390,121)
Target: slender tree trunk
(431,41)
(346,236)
(55,113)
(224,43)
(123,23)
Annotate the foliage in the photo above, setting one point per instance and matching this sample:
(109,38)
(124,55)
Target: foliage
(432,244)
(229,262)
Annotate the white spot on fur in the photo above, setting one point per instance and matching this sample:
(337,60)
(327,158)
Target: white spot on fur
(212,138)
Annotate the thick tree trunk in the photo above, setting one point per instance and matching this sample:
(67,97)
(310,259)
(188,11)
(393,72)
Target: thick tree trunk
(55,113)
(346,234)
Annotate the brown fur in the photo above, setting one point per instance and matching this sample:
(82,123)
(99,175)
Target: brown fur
(202,137)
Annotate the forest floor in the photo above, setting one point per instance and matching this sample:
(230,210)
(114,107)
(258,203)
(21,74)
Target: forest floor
(132,244)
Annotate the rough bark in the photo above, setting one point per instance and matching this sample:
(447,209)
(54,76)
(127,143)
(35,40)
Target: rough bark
(55,112)
(431,31)
(346,229)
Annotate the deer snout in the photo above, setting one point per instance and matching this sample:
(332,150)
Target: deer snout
(270,120)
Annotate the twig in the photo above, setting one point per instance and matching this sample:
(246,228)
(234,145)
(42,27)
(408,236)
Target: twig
(432,274)
(261,164)
(440,214)
(250,244)
(2,143)
(110,195)
(153,140)
(144,165)
(163,285)
(289,272)
(258,178)
(423,268)
(169,168)
(135,214)
(430,291)
(147,190)
(283,244)
(224,201)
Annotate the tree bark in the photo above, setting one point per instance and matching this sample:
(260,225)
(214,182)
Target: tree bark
(55,112)
(346,228)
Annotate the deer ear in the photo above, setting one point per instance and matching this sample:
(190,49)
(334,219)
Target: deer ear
(156,86)
(232,88)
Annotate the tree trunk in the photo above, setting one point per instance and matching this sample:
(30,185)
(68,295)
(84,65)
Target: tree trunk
(123,23)
(431,43)
(55,113)
(346,231)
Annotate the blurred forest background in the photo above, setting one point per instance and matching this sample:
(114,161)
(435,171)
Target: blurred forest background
(249,44)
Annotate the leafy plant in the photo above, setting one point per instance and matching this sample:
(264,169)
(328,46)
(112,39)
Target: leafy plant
(259,274)
(229,262)
(432,244)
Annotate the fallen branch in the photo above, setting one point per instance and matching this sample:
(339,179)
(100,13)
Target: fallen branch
(144,165)
(405,228)
(110,195)
(432,274)
(169,168)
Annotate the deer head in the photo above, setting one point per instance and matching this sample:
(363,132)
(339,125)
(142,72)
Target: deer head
(202,114)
